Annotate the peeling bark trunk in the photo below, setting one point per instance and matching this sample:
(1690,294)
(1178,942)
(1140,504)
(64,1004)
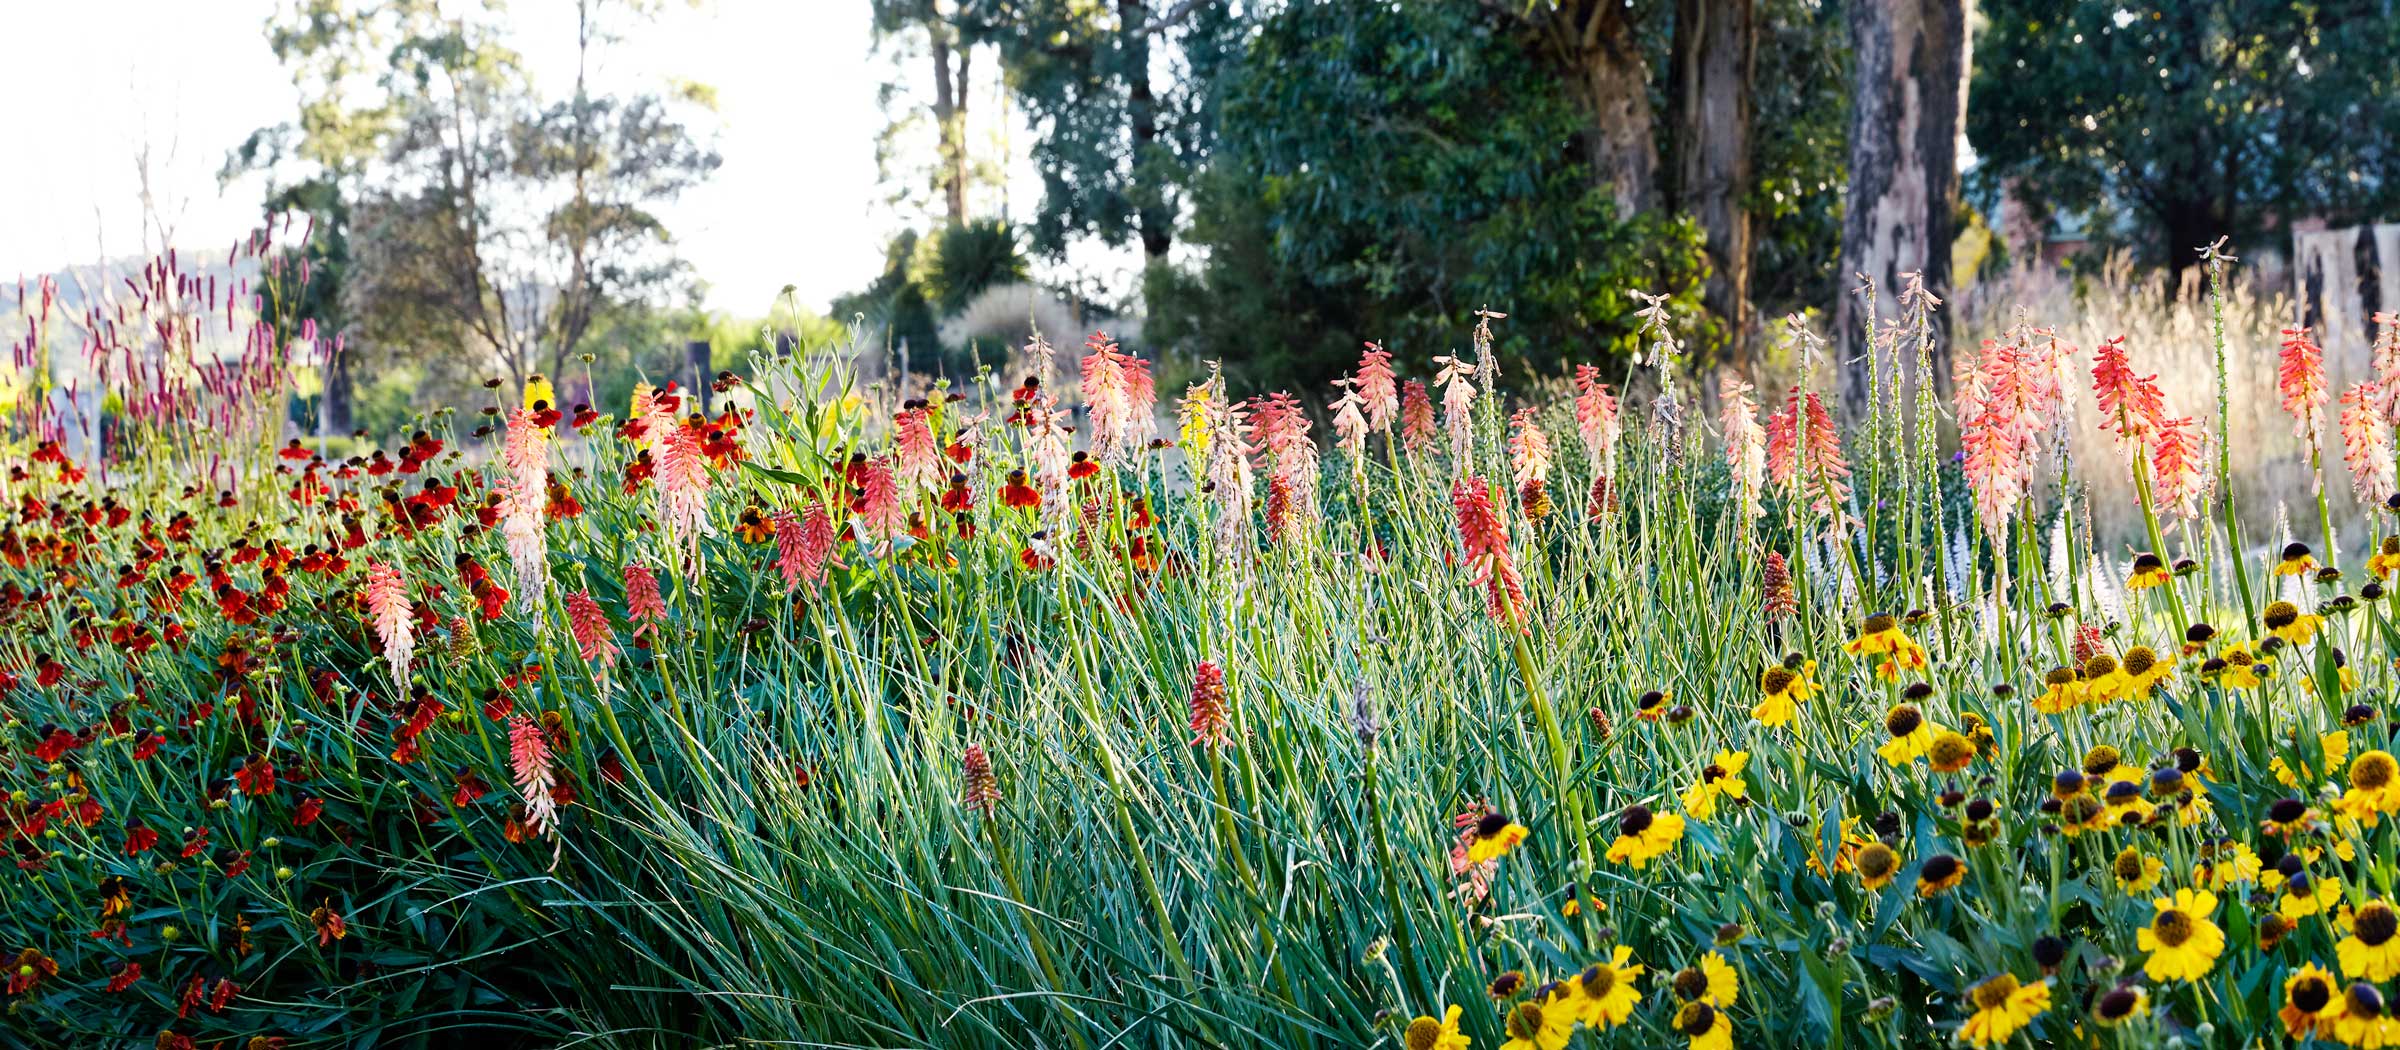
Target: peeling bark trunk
(1907,103)
(1716,48)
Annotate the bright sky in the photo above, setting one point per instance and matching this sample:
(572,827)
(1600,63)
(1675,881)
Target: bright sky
(795,202)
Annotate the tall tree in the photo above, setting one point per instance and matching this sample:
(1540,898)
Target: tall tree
(1597,46)
(472,216)
(1382,171)
(2191,120)
(1907,103)
(1710,78)
(1122,102)
(949,32)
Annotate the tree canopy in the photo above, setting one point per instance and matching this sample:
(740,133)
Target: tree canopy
(2166,125)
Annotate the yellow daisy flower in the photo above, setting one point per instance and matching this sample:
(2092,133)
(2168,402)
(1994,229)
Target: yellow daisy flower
(2136,871)
(1642,836)
(2120,1004)
(1603,995)
(1939,874)
(2182,941)
(2063,689)
(1495,835)
(1718,780)
(2371,951)
(2285,620)
(1876,864)
(1425,1033)
(2144,672)
(2148,571)
(2311,1003)
(1711,981)
(2362,1021)
(1912,735)
(2386,558)
(2374,788)
(2296,561)
(1705,1026)
(1533,1026)
(2304,895)
(2002,1006)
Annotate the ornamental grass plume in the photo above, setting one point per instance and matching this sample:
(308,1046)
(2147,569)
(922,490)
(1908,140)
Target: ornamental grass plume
(1280,427)
(1210,728)
(529,768)
(595,640)
(525,455)
(2366,444)
(2131,405)
(918,465)
(645,607)
(387,609)
(1745,446)
(1416,416)
(982,786)
(1804,454)
(1529,463)
(881,516)
(2300,378)
(1350,427)
(1118,395)
(1486,539)
(1456,378)
(1230,482)
(2179,468)
(683,484)
(1378,391)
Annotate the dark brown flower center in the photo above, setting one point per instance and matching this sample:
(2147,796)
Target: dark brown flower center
(2118,1004)
(2099,666)
(2281,615)
(1423,1033)
(1776,680)
(1491,824)
(1878,623)
(1993,994)
(2060,676)
(2129,866)
(1525,1021)
(1877,861)
(1903,720)
(1690,983)
(1598,981)
(1635,821)
(2172,927)
(1695,1019)
(2372,770)
(2140,659)
(2310,994)
(1940,868)
(2100,760)
(2375,924)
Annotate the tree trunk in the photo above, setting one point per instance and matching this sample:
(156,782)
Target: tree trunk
(1152,211)
(333,406)
(1595,46)
(947,120)
(1907,102)
(1715,53)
